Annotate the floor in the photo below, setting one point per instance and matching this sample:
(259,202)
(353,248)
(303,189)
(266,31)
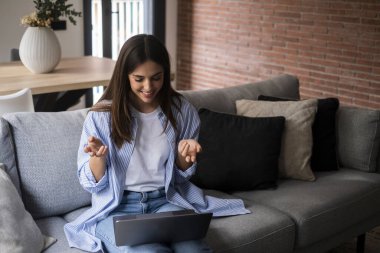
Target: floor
(372,244)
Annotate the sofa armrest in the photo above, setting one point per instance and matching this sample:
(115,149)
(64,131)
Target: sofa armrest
(358,138)
(7,153)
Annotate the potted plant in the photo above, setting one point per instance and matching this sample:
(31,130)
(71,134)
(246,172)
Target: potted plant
(40,50)
(48,12)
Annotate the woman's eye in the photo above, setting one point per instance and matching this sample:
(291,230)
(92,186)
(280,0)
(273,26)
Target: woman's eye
(139,80)
(158,78)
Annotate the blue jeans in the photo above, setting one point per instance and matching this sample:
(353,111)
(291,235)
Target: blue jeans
(138,203)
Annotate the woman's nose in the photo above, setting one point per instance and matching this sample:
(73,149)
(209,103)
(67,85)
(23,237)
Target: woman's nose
(147,84)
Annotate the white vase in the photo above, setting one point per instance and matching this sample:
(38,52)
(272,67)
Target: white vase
(40,50)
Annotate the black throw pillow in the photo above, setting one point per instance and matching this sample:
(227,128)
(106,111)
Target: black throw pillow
(324,156)
(238,153)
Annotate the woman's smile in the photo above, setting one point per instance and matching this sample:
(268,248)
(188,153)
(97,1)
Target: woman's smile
(147,94)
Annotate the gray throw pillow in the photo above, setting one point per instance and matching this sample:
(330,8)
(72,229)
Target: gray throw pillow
(358,138)
(18,231)
(297,139)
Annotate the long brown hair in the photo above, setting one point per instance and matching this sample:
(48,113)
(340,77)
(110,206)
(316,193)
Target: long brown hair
(135,51)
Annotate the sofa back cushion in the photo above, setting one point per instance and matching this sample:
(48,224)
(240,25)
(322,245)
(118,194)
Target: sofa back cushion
(223,99)
(46,146)
(359,138)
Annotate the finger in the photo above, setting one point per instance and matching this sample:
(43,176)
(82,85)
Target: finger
(89,149)
(100,151)
(182,145)
(193,158)
(86,149)
(185,150)
(91,138)
(199,148)
(105,150)
(188,159)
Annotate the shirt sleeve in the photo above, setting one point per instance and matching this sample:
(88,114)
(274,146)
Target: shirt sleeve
(188,129)
(94,125)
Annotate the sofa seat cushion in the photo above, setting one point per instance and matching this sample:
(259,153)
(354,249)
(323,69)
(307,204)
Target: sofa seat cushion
(320,209)
(71,216)
(265,228)
(53,226)
(252,232)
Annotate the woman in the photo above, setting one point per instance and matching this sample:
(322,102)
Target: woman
(137,151)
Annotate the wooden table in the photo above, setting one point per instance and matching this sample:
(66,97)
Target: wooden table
(70,74)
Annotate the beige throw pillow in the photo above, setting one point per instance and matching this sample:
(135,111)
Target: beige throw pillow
(18,231)
(297,139)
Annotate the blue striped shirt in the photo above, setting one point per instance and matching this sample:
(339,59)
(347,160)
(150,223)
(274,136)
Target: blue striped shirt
(108,191)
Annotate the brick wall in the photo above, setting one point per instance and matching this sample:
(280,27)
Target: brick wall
(333,46)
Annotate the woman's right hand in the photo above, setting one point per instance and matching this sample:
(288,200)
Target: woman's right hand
(95,147)
(98,153)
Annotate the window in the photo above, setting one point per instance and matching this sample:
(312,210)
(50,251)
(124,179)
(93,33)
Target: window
(109,23)
(127,19)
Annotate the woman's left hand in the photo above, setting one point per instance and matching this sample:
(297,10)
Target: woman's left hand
(187,151)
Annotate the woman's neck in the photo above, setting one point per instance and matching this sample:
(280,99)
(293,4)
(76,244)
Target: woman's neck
(144,107)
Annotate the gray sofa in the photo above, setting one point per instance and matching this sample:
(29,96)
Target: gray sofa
(39,153)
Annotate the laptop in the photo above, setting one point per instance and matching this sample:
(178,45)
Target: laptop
(165,227)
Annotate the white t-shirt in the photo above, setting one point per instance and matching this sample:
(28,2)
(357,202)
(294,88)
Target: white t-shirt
(146,170)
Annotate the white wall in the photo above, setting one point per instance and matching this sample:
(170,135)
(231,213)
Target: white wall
(71,40)
(171,34)
(11,31)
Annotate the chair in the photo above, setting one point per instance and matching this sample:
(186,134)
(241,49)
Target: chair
(21,101)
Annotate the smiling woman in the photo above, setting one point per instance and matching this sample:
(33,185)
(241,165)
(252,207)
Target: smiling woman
(137,152)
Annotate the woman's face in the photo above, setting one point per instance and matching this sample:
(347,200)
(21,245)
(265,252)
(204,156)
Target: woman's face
(146,81)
